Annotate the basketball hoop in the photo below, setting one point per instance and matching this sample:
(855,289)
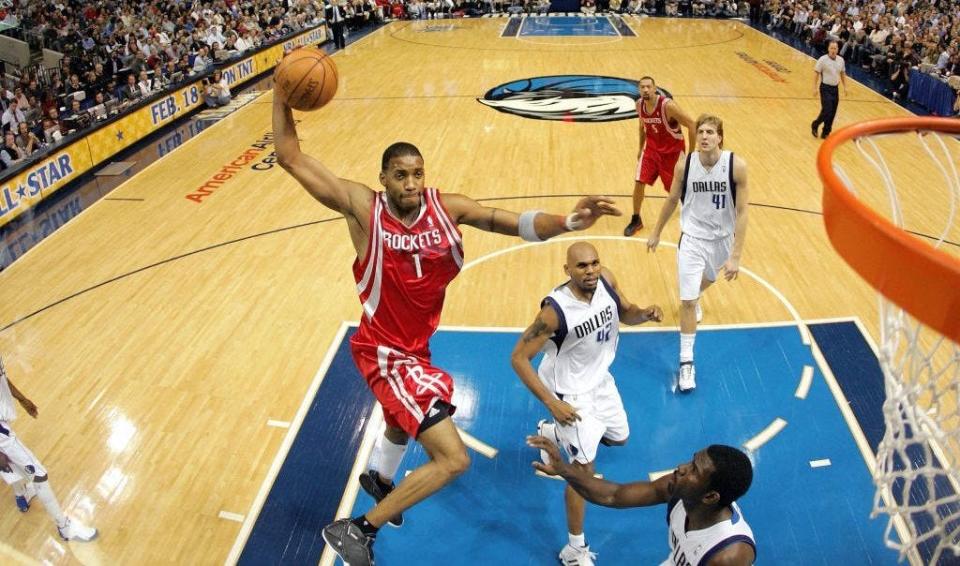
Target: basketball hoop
(917,468)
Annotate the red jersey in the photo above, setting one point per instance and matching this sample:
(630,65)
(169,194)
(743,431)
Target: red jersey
(403,277)
(662,137)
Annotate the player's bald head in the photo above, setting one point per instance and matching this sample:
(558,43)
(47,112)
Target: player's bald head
(581,252)
(583,267)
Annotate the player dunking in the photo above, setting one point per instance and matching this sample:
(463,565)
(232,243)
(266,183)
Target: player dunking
(712,184)
(661,143)
(408,250)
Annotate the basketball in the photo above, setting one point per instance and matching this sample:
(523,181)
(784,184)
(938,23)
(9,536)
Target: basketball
(306,78)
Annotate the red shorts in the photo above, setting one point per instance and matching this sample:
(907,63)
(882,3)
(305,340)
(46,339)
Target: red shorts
(406,386)
(653,165)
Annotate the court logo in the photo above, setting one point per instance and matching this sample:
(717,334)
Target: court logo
(440,28)
(763,68)
(570,98)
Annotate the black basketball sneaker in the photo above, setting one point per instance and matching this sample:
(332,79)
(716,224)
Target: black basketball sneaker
(378,489)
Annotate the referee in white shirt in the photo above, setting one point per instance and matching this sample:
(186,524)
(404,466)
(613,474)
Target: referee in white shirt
(828,74)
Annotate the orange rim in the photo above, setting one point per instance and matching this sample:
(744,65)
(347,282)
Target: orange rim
(909,272)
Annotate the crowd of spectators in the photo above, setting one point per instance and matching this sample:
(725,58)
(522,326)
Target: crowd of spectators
(118,52)
(428,9)
(669,8)
(883,37)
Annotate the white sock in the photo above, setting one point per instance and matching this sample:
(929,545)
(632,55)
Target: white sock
(577,541)
(686,347)
(49,500)
(386,458)
(19,488)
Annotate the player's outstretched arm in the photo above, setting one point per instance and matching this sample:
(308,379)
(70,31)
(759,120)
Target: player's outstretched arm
(27,404)
(670,205)
(599,491)
(732,267)
(531,225)
(339,195)
(531,342)
(629,312)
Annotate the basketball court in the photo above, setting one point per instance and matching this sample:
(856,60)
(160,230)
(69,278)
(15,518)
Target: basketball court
(184,340)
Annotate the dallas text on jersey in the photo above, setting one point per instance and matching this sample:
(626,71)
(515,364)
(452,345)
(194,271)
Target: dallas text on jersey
(592,324)
(679,558)
(709,186)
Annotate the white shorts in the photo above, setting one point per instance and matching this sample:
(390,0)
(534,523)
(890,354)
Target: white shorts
(601,416)
(24,464)
(700,259)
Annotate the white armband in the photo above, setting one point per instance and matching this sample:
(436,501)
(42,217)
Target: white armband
(527,231)
(571,222)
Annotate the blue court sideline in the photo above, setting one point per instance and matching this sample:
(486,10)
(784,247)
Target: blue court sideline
(500,512)
(309,487)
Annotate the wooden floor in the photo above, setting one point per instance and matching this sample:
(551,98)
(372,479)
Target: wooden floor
(158,336)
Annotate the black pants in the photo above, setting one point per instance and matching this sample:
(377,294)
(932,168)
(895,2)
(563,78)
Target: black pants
(338,41)
(829,100)
(756,14)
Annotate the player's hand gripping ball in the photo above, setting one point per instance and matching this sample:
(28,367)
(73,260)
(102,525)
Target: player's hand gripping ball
(306,79)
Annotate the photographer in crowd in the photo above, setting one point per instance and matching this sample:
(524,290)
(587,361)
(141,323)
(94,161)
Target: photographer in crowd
(216,90)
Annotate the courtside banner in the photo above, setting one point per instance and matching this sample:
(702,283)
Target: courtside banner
(26,189)
(133,127)
(21,192)
(312,37)
(268,58)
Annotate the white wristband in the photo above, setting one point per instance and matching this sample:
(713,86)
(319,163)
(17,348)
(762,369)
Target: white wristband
(527,231)
(571,222)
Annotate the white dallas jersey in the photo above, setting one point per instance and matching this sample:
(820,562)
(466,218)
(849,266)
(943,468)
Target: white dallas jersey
(578,356)
(709,198)
(694,548)
(8,410)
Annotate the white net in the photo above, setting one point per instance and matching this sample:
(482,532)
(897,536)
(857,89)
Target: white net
(917,477)
(917,471)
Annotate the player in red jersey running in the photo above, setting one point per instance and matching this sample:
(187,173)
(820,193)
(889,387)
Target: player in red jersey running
(661,143)
(408,250)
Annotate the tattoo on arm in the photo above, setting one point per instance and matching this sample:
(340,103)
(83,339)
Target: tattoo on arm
(536,329)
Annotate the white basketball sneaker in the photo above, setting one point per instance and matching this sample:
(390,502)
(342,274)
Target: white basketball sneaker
(687,381)
(548,431)
(699,313)
(573,556)
(75,530)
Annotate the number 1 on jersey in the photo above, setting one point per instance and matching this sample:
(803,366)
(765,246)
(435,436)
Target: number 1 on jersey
(720,201)
(416,263)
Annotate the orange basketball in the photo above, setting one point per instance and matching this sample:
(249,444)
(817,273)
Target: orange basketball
(306,78)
